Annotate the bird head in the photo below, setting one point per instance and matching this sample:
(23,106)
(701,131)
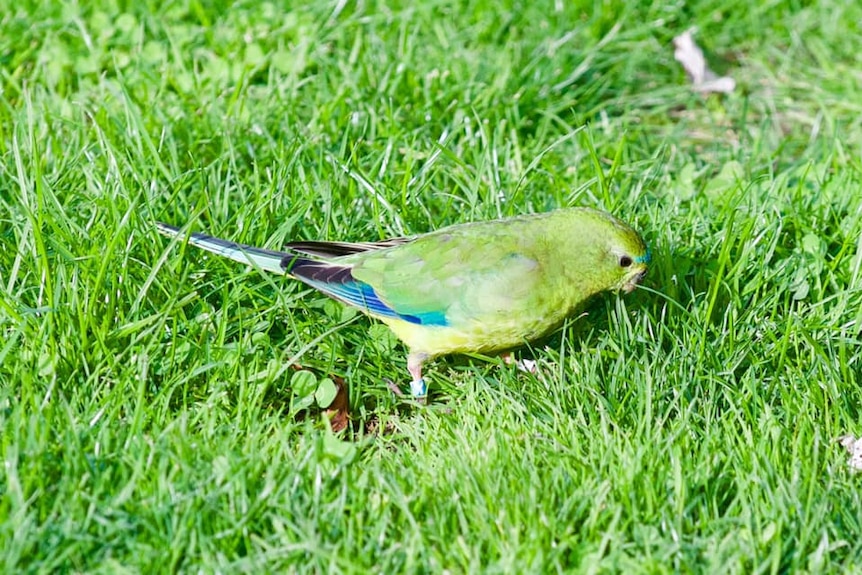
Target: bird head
(635,270)
(612,255)
(628,256)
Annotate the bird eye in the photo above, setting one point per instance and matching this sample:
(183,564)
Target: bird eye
(625,261)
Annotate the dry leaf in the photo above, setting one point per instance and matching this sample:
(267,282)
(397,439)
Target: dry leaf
(703,79)
(337,410)
(853,446)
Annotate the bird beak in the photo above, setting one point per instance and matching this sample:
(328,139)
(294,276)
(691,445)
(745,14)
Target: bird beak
(634,280)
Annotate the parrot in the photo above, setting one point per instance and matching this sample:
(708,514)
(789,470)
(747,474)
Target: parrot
(479,287)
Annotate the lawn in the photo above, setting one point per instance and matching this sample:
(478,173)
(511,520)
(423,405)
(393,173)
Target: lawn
(159,405)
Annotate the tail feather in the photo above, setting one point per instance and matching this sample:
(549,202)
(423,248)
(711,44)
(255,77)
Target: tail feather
(267,260)
(337,249)
(328,276)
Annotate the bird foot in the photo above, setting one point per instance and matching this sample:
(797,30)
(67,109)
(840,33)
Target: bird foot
(394,388)
(525,365)
(418,389)
(417,384)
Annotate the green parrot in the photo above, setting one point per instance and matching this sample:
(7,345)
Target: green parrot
(477,287)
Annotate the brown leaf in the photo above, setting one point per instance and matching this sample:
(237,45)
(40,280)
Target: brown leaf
(338,409)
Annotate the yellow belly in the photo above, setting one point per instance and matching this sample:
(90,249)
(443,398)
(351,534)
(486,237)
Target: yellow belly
(476,338)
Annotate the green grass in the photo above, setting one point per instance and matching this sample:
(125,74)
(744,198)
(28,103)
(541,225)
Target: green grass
(150,422)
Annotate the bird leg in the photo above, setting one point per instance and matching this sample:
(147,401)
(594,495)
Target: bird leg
(414,366)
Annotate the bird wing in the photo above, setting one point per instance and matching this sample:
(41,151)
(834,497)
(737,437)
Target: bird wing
(325,271)
(475,275)
(337,280)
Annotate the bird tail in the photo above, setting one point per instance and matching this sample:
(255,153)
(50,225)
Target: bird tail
(267,260)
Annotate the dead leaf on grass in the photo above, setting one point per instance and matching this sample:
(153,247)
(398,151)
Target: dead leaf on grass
(337,410)
(853,445)
(704,80)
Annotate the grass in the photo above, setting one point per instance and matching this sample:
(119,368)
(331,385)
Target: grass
(151,420)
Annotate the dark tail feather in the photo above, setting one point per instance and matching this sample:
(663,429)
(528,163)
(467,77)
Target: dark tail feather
(268,260)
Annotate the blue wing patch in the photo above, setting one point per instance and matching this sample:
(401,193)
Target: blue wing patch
(363,296)
(337,281)
(428,318)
